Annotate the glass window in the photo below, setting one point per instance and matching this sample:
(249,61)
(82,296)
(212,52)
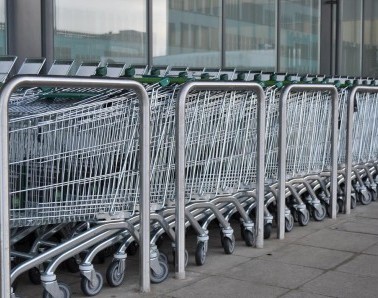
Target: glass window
(370,48)
(3,40)
(97,30)
(186,33)
(299,36)
(350,38)
(250,34)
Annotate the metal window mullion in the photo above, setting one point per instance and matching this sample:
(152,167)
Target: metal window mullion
(149,29)
(278,42)
(223,35)
(362,37)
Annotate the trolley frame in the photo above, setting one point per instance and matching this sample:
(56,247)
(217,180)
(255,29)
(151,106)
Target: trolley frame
(180,160)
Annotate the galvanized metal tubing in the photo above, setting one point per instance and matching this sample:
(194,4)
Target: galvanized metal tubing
(180,159)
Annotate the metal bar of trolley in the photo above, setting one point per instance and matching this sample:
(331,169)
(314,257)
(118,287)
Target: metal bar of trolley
(180,160)
(32,81)
(349,141)
(282,148)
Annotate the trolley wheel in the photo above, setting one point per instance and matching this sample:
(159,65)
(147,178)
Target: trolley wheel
(71,265)
(353,202)
(289,223)
(200,255)
(365,198)
(132,249)
(92,288)
(114,275)
(158,278)
(303,217)
(163,257)
(229,244)
(65,291)
(34,276)
(267,230)
(249,238)
(319,215)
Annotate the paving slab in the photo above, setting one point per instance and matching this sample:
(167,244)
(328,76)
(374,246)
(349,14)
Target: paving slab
(343,285)
(366,265)
(369,211)
(250,252)
(339,240)
(297,233)
(309,256)
(217,263)
(218,286)
(273,273)
(372,250)
(359,225)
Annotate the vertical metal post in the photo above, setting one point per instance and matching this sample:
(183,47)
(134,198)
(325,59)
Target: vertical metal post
(180,160)
(282,148)
(281,165)
(334,137)
(144,151)
(4,197)
(144,144)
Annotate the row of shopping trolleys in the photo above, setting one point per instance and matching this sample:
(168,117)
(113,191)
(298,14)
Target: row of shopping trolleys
(75,165)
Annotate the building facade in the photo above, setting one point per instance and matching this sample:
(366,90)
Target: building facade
(333,37)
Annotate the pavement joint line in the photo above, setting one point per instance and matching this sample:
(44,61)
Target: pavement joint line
(274,285)
(367,217)
(304,291)
(335,249)
(307,266)
(354,232)
(299,288)
(283,294)
(254,282)
(207,276)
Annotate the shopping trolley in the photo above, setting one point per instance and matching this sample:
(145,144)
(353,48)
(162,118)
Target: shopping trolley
(361,150)
(297,156)
(214,170)
(72,163)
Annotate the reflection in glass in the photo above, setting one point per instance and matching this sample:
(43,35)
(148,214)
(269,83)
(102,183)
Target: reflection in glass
(350,38)
(2,28)
(250,34)
(97,30)
(370,49)
(186,33)
(299,36)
